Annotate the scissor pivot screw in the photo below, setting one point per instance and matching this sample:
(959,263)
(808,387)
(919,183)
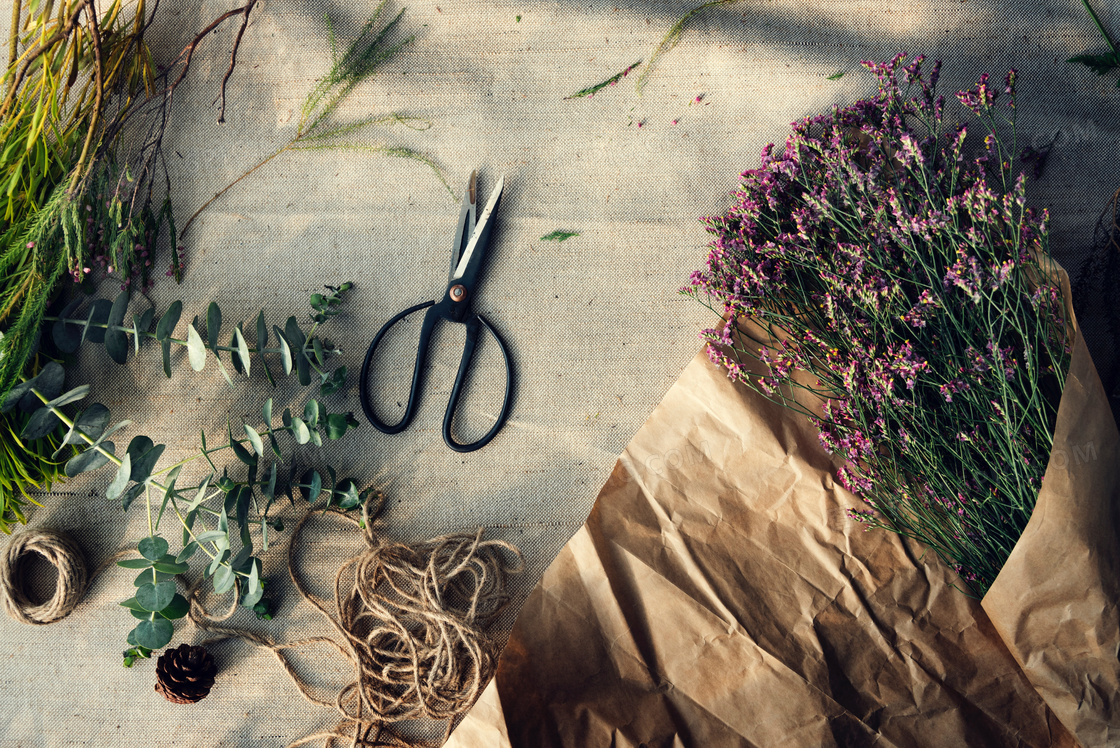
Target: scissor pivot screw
(457,293)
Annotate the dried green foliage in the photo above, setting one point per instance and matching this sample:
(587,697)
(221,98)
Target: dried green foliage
(613,80)
(559,235)
(1101,64)
(316,130)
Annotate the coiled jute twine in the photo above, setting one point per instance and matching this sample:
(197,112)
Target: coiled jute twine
(60,551)
(411,626)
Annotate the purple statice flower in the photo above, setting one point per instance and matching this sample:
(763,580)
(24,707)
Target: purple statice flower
(890,270)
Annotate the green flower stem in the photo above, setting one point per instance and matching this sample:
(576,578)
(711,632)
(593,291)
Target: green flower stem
(1100,26)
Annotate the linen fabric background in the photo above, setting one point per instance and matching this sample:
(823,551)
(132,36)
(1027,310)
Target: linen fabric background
(597,331)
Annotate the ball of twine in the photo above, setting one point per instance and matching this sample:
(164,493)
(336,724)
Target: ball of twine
(60,551)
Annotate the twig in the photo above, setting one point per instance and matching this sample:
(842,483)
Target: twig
(233,58)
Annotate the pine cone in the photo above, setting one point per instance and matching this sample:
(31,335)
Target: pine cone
(185,674)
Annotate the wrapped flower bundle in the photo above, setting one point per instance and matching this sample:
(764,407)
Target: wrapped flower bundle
(884,277)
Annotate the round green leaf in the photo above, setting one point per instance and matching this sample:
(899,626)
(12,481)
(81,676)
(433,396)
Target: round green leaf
(311,484)
(153,548)
(42,422)
(177,608)
(132,604)
(224,579)
(67,336)
(98,315)
(92,422)
(154,634)
(155,597)
(91,459)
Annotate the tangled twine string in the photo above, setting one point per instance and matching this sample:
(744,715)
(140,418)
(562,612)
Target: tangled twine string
(60,551)
(411,623)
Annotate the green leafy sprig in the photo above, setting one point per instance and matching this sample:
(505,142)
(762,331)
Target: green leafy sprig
(218,514)
(1101,64)
(104,323)
(592,90)
(315,132)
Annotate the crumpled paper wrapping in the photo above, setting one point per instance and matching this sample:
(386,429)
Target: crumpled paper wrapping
(718,595)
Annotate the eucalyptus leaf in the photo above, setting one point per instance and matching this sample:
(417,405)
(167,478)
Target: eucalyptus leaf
(98,315)
(213,325)
(238,449)
(142,614)
(140,325)
(262,332)
(269,488)
(91,422)
(266,413)
(78,393)
(311,413)
(275,446)
(165,350)
(209,536)
(131,603)
(67,336)
(131,494)
(16,394)
(242,349)
(311,484)
(241,561)
(172,567)
(347,494)
(255,440)
(297,340)
(116,341)
(91,459)
(216,564)
(154,634)
(222,370)
(244,495)
(168,321)
(188,550)
(146,577)
(317,346)
(144,457)
(300,431)
(287,418)
(153,547)
(196,349)
(336,425)
(155,597)
(188,527)
(177,608)
(42,422)
(135,563)
(255,577)
(285,351)
(201,495)
(250,599)
(224,580)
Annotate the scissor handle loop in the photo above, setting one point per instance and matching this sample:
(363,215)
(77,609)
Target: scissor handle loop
(472,324)
(421,350)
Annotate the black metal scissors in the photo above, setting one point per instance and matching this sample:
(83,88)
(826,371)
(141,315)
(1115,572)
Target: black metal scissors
(467,253)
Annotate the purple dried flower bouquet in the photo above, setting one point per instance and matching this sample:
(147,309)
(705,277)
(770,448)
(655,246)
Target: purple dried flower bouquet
(884,277)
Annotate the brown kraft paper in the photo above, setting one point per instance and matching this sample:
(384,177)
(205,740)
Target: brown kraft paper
(718,595)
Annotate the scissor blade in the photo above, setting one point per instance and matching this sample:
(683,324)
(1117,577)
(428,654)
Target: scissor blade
(466,222)
(483,220)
